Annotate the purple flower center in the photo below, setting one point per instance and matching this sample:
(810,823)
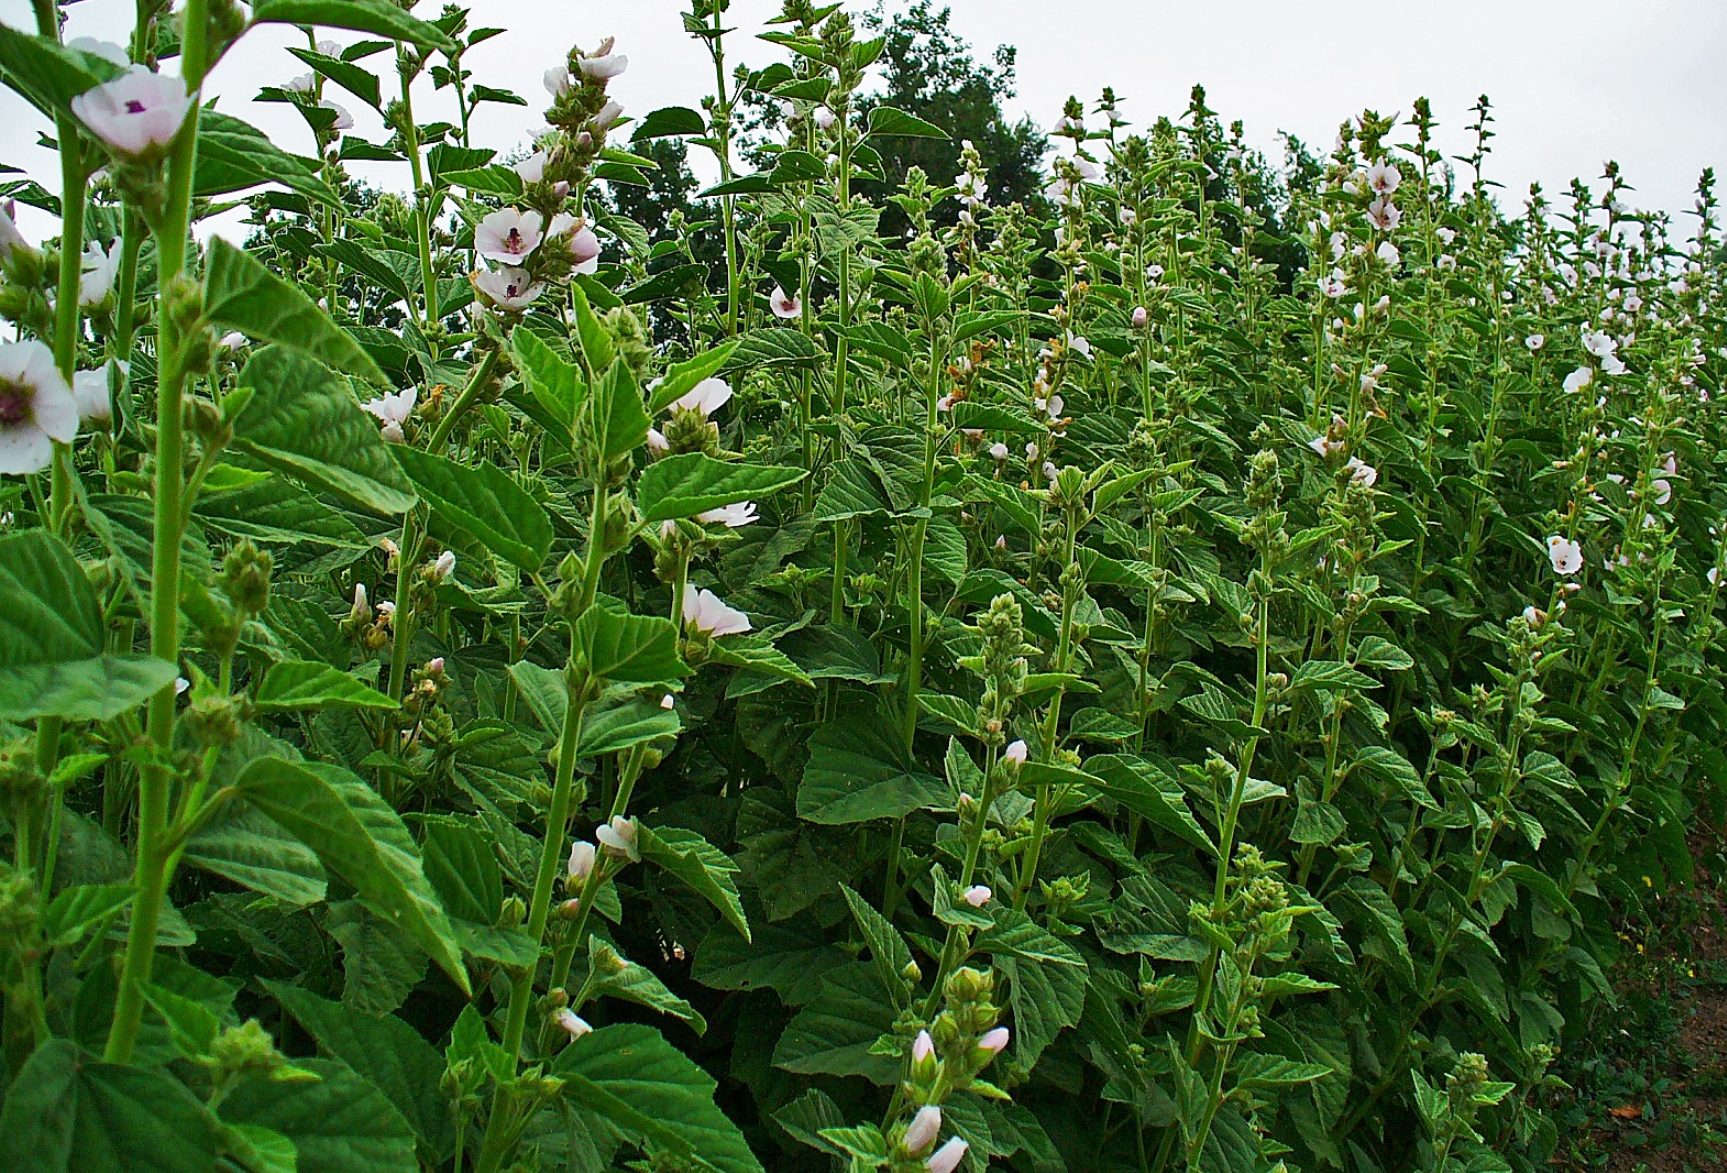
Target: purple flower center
(134,106)
(511,290)
(514,244)
(14,405)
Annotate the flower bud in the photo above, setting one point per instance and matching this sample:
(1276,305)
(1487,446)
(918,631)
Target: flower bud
(923,1130)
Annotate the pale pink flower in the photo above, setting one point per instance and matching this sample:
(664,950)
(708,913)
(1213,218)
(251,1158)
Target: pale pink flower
(392,411)
(618,837)
(657,442)
(582,856)
(1016,753)
(507,236)
(507,288)
(558,81)
(923,1130)
(445,566)
(1140,317)
(998,450)
(137,114)
(1579,379)
(823,117)
(785,305)
(570,1023)
(533,168)
(731,516)
(704,612)
(1360,472)
(10,238)
(344,120)
(106,50)
(90,389)
(977,895)
(1565,554)
(668,702)
(994,1041)
(707,397)
(96,273)
(1663,489)
(947,1158)
(608,116)
(1535,341)
(603,65)
(36,407)
(922,1047)
(584,246)
(1383,177)
(1383,214)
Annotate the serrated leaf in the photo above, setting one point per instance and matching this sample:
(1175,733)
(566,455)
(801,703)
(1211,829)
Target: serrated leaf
(241,294)
(699,865)
(361,839)
(886,120)
(379,17)
(859,770)
(629,649)
(304,684)
(484,500)
(692,482)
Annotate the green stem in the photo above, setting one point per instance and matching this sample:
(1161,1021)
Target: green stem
(157,777)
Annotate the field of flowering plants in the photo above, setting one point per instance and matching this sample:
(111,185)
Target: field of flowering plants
(1184,671)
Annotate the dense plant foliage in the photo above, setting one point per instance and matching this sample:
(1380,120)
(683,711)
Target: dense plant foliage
(490,683)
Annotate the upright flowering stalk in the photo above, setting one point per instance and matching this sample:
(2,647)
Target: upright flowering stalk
(175,338)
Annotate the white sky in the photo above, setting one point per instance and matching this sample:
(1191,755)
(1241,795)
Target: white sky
(1574,82)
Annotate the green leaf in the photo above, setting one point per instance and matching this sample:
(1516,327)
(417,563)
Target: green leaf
(684,376)
(1142,788)
(357,80)
(388,1053)
(484,500)
(381,17)
(234,155)
(612,975)
(554,382)
(888,950)
(836,1033)
(610,727)
(668,121)
(241,294)
(304,421)
(304,684)
(76,910)
(1385,764)
(338,1124)
(773,346)
(620,417)
(66,1112)
(885,120)
(361,839)
(859,770)
(243,845)
(629,649)
(693,482)
(52,661)
(699,865)
(651,1092)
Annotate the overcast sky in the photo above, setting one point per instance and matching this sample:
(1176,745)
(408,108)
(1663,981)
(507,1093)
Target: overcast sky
(1574,82)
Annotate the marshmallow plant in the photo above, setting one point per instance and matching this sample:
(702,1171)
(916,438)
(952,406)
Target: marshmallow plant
(1177,675)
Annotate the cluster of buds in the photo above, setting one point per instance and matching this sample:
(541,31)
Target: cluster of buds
(371,626)
(1003,666)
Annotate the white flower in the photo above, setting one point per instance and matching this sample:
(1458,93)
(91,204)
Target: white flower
(1383,214)
(1663,490)
(1154,273)
(392,411)
(977,895)
(558,81)
(785,305)
(1016,753)
(137,114)
(1579,379)
(1384,177)
(618,837)
(603,66)
(584,246)
(1334,286)
(386,611)
(731,516)
(922,1047)
(10,238)
(1388,253)
(1713,575)
(1360,472)
(824,118)
(362,609)
(1325,445)
(998,450)
(533,168)
(707,397)
(303,83)
(668,702)
(947,1158)
(1140,317)
(1535,341)
(507,235)
(36,407)
(570,1023)
(445,566)
(344,120)
(608,116)
(923,1130)
(96,273)
(1565,554)
(90,389)
(1599,343)
(657,442)
(994,1041)
(1079,345)
(233,340)
(1050,472)
(582,855)
(507,288)
(1446,235)
(704,611)
(1532,615)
